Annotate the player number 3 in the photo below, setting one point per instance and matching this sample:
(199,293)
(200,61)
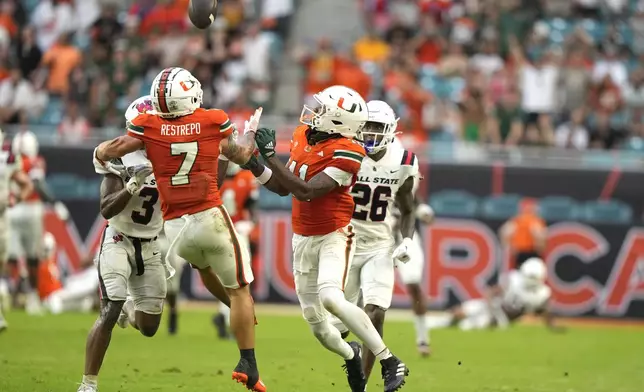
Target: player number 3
(189,151)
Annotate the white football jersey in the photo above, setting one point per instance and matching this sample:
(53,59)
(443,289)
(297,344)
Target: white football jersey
(141,217)
(374,194)
(9,163)
(518,298)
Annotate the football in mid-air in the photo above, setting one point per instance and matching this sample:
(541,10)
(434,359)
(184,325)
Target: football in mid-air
(202,12)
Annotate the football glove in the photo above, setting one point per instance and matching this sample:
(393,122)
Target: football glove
(401,253)
(109,167)
(61,211)
(265,139)
(252,123)
(137,175)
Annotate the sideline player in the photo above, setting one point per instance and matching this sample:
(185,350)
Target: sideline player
(411,274)
(388,176)
(240,195)
(10,171)
(26,217)
(183,142)
(519,292)
(325,161)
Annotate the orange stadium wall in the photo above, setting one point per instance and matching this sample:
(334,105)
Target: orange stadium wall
(595,269)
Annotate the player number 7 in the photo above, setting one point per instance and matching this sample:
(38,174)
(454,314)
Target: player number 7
(189,151)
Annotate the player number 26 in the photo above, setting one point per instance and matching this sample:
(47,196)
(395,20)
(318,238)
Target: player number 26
(189,151)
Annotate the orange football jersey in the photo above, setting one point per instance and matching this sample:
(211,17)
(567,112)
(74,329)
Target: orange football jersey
(184,152)
(48,278)
(35,169)
(334,210)
(236,191)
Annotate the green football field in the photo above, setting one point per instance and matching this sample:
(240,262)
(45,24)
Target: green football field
(43,354)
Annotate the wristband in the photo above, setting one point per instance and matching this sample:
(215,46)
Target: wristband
(265,176)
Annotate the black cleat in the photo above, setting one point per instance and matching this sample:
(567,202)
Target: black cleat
(247,374)
(220,323)
(353,368)
(394,372)
(172,323)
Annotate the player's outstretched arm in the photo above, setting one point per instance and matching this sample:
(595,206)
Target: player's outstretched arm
(238,149)
(264,176)
(118,147)
(114,196)
(317,186)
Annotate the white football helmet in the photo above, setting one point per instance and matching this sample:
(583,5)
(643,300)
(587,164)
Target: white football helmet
(49,245)
(342,111)
(534,272)
(139,106)
(175,93)
(380,129)
(25,143)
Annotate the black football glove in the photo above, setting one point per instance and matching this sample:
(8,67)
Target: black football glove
(265,139)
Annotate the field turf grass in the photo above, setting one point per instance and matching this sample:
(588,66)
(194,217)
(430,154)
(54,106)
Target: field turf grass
(45,354)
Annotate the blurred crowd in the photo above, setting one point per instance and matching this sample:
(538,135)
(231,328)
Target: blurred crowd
(564,73)
(77,64)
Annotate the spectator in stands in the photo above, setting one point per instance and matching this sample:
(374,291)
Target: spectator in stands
(60,60)
(606,96)
(348,73)
(428,43)
(634,91)
(575,80)
(487,60)
(370,48)
(27,52)
(573,134)
(611,63)
(52,18)
(506,125)
(319,68)
(7,21)
(74,128)
(604,135)
(256,49)
(454,63)
(524,236)
(538,85)
(19,100)
(106,27)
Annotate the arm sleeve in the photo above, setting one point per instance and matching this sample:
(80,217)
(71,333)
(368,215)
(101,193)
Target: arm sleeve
(340,176)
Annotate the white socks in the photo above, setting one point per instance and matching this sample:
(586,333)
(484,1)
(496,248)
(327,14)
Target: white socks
(422,332)
(90,380)
(440,321)
(331,339)
(353,318)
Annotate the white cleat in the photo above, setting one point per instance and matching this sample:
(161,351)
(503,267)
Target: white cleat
(87,388)
(33,305)
(5,296)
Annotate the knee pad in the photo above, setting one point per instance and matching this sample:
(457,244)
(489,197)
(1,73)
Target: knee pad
(331,297)
(149,305)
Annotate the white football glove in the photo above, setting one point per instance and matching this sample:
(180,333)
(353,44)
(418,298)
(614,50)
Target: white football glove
(137,175)
(252,123)
(244,227)
(102,167)
(401,253)
(61,211)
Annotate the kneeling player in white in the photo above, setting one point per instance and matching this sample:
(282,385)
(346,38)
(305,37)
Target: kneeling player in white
(388,175)
(519,292)
(411,274)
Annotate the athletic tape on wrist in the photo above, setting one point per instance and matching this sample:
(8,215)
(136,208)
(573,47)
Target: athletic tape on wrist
(265,176)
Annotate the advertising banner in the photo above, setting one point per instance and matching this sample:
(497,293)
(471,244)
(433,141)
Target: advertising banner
(595,270)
